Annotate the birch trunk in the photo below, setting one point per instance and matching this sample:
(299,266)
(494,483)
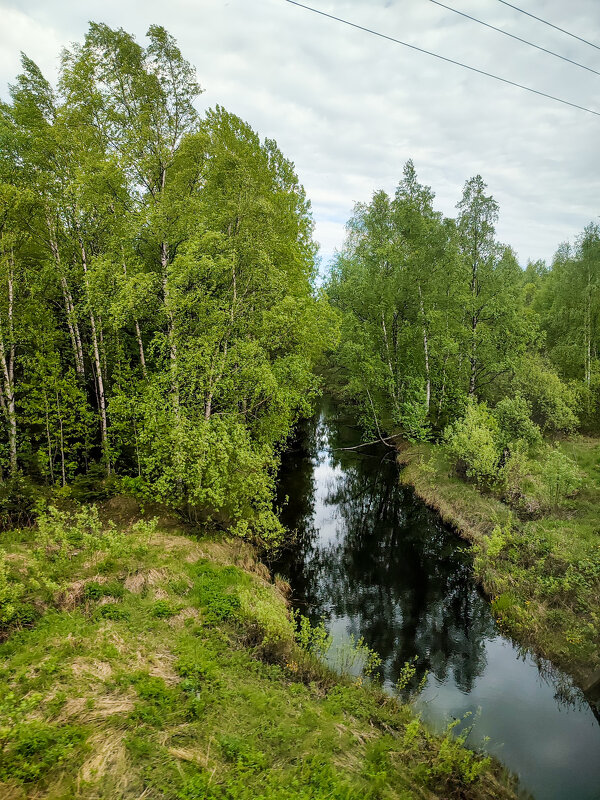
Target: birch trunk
(138,334)
(164,260)
(7,360)
(425,351)
(69,305)
(97,360)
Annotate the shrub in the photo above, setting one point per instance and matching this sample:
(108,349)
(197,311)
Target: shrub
(561,476)
(162,609)
(19,501)
(553,403)
(33,748)
(9,595)
(413,414)
(513,415)
(113,611)
(473,444)
(94,485)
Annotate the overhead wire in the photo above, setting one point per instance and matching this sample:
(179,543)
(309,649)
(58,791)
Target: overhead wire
(550,24)
(443,58)
(513,36)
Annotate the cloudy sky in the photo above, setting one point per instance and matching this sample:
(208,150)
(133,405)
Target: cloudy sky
(349,108)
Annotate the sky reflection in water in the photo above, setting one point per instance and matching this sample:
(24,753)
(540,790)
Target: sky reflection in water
(374,562)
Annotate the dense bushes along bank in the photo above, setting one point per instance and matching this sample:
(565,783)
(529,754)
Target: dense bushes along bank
(138,661)
(542,573)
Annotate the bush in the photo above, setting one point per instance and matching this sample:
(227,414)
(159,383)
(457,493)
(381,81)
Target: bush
(532,485)
(19,500)
(413,414)
(553,403)
(9,594)
(113,612)
(473,444)
(513,415)
(162,609)
(560,475)
(33,748)
(94,485)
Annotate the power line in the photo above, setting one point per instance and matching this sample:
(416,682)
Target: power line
(518,38)
(443,58)
(539,19)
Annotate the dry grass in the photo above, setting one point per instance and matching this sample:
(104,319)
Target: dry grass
(109,757)
(91,668)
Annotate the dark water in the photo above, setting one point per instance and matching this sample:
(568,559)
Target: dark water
(372,561)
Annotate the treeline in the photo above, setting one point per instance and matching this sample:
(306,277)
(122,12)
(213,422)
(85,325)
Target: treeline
(157,315)
(444,335)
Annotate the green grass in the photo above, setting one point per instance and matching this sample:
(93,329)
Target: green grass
(162,666)
(543,574)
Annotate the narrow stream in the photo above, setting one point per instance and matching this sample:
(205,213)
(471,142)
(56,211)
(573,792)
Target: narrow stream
(371,560)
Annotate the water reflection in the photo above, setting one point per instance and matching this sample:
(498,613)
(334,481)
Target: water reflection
(372,561)
(362,558)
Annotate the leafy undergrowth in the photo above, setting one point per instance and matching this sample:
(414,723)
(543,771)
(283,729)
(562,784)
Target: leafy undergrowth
(143,663)
(543,574)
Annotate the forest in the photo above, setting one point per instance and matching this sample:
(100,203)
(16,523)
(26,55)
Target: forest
(159,326)
(164,330)
(445,336)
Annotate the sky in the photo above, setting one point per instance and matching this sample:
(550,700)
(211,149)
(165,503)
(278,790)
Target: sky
(349,109)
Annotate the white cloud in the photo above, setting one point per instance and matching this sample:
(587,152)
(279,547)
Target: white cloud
(350,108)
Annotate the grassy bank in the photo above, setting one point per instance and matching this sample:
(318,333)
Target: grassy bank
(542,574)
(138,661)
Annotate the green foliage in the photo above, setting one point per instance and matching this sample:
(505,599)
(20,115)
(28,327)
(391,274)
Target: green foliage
(30,749)
(163,609)
(456,761)
(513,415)
(10,592)
(161,327)
(560,475)
(312,639)
(552,402)
(413,415)
(406,686)
(473,444)
(113,612)
(20,500)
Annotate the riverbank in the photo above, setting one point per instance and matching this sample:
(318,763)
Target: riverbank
(542,575)
(141,660)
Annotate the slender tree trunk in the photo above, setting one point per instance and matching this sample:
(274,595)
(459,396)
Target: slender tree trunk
(387,350)
(62,442)
(164,263)
(588,334)
(138,334)
(73,329)
(473,360)
(49,438)
(425,351)
(170,332)
(97,362)
(443,389)
(69,305)
(7,360)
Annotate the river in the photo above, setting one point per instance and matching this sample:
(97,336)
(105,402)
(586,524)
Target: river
(372,561)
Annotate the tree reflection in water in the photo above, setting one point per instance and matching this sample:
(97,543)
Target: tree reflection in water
(371,559)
